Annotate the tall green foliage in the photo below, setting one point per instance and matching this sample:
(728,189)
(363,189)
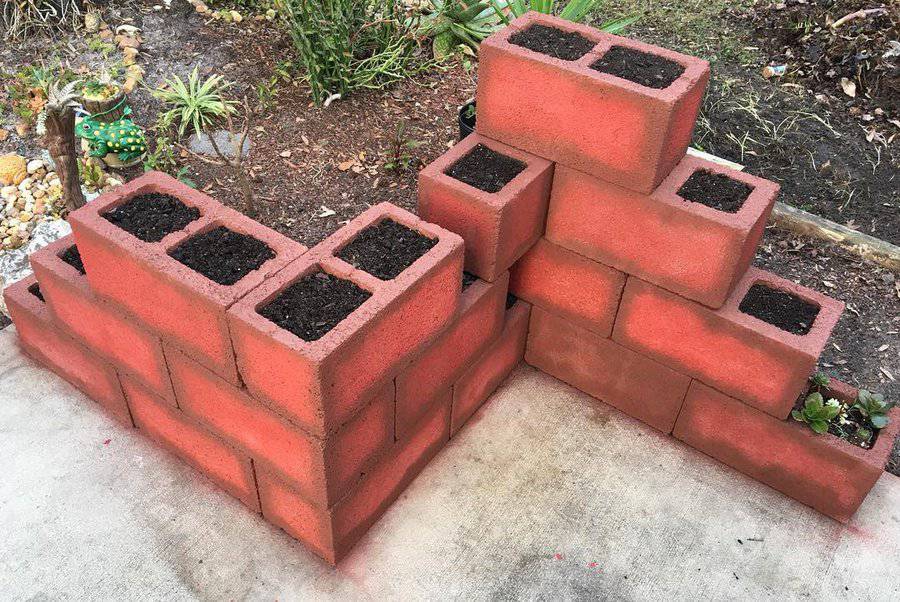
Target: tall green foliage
(350,44)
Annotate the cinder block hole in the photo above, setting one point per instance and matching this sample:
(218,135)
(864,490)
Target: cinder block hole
(715,190)
(150,217)
(510,300)
(779,308)
(35,289)
(639,67)
(565,45)
(485,169)
(386,249)
(73,257)
(222,255)
(313,305)
(468,280)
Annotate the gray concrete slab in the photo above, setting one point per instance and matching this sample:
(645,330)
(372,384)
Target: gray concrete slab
(547,495)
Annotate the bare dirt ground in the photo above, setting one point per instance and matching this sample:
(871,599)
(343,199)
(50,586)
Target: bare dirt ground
(315,168)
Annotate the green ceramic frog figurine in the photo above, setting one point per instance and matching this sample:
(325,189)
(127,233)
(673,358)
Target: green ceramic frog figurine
(122,137)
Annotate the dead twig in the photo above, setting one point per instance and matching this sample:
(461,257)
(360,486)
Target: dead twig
(860,14)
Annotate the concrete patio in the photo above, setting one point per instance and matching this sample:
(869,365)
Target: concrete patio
(545,495)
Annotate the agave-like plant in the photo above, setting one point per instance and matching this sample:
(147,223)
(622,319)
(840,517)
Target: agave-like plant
(575,11)
(194,103)
(453,22)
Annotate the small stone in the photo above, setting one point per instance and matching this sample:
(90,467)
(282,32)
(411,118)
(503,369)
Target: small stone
(34,165)
(25,184)
(11,165)
(13,222)
(25,216)
(201,8)
(236,16)
(39,207)
(4,134)
(129,56)
(8,192)
(124,42)
(39,193)
(105,34)
(22,129)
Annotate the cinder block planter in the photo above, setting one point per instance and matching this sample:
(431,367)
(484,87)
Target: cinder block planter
(321,469)
(478,322)
(42,339)
(185,306)
(166,424)
(571,285)
(319,383)
(689,248)
(332,533)
(485,374)
(822,471)
(628,381)
(573,114)
(759,363)
(98,325)
(498,221)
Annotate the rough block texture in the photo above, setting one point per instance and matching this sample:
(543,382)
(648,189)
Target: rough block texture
(565,111)
(43,340)
(228,468)
(332,533)
(568,284)
(822,471)
(736,353)
(184,306)
(478,322)
(497,227)
(321,469)
(484,375)
(684,247)
(640,387)
(320,384)
(101,327)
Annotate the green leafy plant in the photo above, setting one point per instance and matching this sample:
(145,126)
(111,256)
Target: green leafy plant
(817,413)
(874,407)
(400,156)
(450,23)
(96,44)
(193,103)
(574,10)
(346,45)
(820,380)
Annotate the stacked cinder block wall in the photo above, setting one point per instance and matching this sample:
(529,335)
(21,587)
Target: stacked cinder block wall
(636,291)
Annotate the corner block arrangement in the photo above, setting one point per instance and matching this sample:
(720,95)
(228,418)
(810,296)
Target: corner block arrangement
(315,384)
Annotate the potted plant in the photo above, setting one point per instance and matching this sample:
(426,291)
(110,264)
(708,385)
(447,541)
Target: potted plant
(103,99)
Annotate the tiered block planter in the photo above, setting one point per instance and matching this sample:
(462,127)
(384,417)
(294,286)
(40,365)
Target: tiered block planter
(566,110)
(822,471)
(185,306)
(761,364)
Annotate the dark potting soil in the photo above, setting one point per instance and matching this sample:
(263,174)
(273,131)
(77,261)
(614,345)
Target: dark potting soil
(779,308)
(35,289)
(222,255)
(565,45)
(510,300)
(73,258)
(386,249)
(151,217)
(639,67)
(468,280)
(315,304)
(715,190)
(485,169)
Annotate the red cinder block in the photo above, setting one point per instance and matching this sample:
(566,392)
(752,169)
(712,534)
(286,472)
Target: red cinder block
(321,469)
(736,353)
(615,129)
(684,247)
(568,284)
(497,227)
(228,468)
(628,381)
(319,384)
(101,327)
(186,307)
(331,534)
(493,366)
(43,340)
(822,471)
(478,322)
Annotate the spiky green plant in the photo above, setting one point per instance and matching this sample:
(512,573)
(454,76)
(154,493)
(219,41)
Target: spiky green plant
(575,11)
(193,103)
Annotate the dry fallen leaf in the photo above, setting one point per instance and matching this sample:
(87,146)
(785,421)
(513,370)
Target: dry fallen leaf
(325,212)
(848,87)
(346,165)
(285,154)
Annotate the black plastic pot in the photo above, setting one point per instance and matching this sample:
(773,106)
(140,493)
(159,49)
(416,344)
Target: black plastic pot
(466,124)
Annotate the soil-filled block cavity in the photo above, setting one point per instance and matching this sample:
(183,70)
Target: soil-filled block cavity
(639,67)
(486,169)
(568,46)
(778,308)
(715,190)
(315,304)
(386,249)
(222,255)
(35,289)
(468,280)
(151,217)
(73,258)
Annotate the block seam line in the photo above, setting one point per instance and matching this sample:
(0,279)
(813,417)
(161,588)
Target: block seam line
(256,485)
(233,354)
(687,390)
(169,376)
(125,398)
(394,425)
(615,319)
